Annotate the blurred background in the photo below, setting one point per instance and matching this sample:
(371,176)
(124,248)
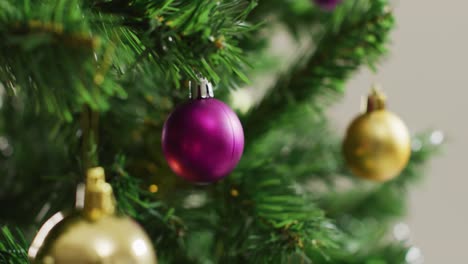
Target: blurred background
(424,78)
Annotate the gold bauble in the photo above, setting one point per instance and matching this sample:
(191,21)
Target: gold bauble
(93,235)
(377,144)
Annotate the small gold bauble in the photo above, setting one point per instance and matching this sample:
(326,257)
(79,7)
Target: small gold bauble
(94,234)
(377,143)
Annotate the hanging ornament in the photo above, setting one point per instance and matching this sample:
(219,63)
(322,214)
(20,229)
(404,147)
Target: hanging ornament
(203,139)
(328,5)
(93,234)
(377,144)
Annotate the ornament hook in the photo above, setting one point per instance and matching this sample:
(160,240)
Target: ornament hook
(202,89)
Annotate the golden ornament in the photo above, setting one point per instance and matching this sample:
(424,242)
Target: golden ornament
(93,234)
(377,144)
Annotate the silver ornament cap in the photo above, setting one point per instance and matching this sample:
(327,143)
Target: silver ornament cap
(201,89)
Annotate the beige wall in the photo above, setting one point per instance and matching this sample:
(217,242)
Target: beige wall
(425,78)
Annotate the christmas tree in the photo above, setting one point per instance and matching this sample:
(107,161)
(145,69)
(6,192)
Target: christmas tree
(89,83)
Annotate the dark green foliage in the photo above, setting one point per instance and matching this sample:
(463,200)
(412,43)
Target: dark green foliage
(291,199)
(50,156)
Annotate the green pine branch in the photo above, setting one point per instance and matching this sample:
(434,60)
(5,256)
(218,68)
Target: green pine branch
(270,220)
(297,16)
(360,38)
(301,145)
(59,55)
(53,59)
(13,247)
(159,220)
(188,38)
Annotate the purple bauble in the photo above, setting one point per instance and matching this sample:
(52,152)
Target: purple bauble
(328,5)
(203,140)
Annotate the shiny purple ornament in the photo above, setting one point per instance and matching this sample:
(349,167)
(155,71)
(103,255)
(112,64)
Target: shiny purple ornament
(327,5)
(203,139)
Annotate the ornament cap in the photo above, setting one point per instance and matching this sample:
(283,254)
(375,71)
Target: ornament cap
(376,99)
(201,89)
(99,199)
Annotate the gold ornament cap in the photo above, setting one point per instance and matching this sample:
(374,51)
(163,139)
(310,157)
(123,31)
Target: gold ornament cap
(376,100)
(99,198)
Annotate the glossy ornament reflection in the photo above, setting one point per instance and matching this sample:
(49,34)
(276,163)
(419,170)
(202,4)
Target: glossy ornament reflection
(92,235)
